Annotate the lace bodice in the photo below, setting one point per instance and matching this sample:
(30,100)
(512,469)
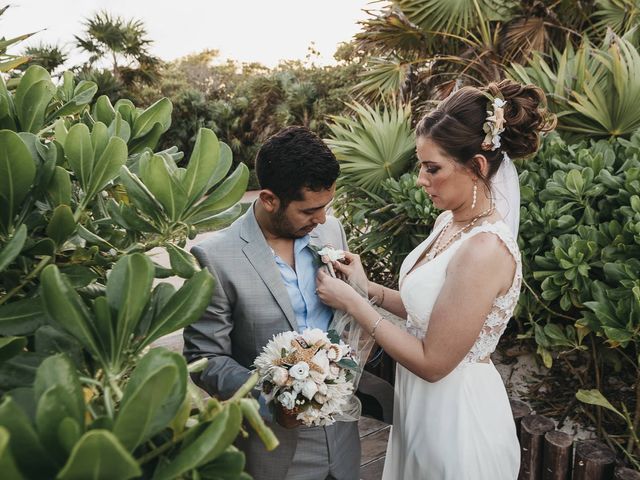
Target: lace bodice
(420,289)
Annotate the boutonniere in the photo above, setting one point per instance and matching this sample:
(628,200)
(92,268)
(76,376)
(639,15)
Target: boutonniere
(327,254)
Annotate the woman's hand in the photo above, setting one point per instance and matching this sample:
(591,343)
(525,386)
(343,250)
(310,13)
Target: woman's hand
(335,292)
(352,270)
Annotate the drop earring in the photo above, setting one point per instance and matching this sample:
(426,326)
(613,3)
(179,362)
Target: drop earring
(475,195)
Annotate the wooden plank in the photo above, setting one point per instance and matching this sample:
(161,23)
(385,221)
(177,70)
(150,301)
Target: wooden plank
(374,446)
(372,470)
(532,430)
(368,425)
(558,452)
(623,473)
(519,409)
(594,460)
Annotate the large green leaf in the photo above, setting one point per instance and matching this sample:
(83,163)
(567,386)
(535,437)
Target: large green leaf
(79,151)
(32,458)
(594,397)
(59,189)
(203,161)
(103,111)
(223,197)
(222,166)
(184,308)
(60,404)
(197,452)
(108,165)
(7,464)
(61,225)
(33,95)
(218,220)
(11,346)
(157,114)
(7,109)
(139,194)
(229,465)
(58,371)
(152,398)
(182,262)
(82,95)
(13,247)
(99,456)
(17,173)
(21,317)
(159,180)
(128,292)
(63,305)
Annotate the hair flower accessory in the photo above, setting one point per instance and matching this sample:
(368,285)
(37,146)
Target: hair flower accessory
(494,125)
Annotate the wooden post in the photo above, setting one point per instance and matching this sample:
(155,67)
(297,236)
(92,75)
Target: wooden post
(626,474)
(558,450)
(594,460)
(519,410)
(532,430)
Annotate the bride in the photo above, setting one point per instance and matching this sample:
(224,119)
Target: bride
(458,290)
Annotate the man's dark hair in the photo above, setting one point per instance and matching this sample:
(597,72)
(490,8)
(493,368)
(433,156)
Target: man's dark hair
(293,159)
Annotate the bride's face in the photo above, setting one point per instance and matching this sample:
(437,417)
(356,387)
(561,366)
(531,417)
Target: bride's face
(448,183)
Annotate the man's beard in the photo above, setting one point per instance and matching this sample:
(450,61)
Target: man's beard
(283,227)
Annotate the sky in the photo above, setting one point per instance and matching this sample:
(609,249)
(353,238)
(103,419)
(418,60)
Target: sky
(265,31)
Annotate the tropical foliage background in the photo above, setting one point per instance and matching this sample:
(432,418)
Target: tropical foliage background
(580,307)
(67,227)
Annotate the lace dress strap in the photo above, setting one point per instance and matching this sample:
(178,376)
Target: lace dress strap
(504,305)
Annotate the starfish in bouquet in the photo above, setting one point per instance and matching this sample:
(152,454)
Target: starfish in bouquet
(302,354)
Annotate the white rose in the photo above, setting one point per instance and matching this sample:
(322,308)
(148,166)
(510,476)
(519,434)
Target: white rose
(309,389)
(299,371)
(287,400)
(297,386)
(279,376)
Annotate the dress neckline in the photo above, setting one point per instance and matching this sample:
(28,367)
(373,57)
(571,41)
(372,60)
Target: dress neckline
(422,257)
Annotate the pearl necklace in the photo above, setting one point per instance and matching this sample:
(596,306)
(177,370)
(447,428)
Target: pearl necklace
(437,248)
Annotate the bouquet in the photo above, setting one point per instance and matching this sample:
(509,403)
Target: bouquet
(309,375)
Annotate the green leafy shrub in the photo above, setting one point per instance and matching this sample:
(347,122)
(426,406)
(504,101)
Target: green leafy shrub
(83,195)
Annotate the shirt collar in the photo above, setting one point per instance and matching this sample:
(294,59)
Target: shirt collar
(301,243)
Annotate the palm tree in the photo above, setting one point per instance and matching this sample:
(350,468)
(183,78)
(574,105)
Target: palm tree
(48,56)
(422,49)
(121,42)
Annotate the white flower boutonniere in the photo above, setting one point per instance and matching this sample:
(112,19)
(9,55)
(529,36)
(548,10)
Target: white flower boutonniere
(327,255)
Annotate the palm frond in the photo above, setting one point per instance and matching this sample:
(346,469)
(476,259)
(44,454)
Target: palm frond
(373,145)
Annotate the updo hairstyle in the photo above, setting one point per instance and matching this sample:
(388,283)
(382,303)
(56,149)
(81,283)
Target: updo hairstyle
(456,125)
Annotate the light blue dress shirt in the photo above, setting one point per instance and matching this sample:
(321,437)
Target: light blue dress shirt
(300,283)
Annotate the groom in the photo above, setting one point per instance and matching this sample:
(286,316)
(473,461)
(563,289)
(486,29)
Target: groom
(265,284)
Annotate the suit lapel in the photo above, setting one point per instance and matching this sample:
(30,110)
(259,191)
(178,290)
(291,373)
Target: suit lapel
(260,256)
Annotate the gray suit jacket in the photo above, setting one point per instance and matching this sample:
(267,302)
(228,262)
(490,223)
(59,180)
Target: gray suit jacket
(249,305)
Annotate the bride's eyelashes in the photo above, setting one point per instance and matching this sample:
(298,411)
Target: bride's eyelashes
(432,169)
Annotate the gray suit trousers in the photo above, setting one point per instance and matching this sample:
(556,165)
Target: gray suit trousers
(331,452)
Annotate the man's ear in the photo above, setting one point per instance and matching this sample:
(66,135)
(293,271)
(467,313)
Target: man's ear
(270,201)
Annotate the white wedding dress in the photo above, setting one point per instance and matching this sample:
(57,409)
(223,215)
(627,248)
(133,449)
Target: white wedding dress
(461,427)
